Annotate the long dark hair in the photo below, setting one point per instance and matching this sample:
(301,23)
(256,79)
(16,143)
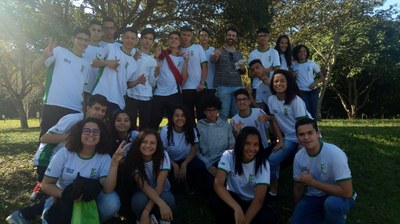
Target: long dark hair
(134,159)
(74,142)
(287,53)
(187,127)
(292,89)
(260,157)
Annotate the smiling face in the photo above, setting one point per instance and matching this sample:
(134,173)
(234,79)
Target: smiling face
(251,147)
(129,41)
(242,102)
(302,54)
(122,123)
(90,136)
(283,44)
(178,119)
(174,41)
(309,138)
(148,146)
(279,83)
(80,43)
(262,39)
(231,38)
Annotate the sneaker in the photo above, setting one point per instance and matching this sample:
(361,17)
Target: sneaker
(272,197)
(17,218)
(164,222)
(37,193)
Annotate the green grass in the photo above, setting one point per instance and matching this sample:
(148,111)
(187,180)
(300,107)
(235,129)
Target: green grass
(371,145)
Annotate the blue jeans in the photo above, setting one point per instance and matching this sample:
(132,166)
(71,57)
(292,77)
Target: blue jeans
(311,99)
(225,94)
(277,157)
(324,209)
(107,204)
(139,201)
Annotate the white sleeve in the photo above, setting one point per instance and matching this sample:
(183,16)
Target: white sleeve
(56,166)
(226,161)
(275,57)
(105,166)
(299,108)
(315,68)
(166,164)
(341,167)
(203,57)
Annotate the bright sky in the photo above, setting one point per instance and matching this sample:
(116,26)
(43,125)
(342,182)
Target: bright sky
(391,2)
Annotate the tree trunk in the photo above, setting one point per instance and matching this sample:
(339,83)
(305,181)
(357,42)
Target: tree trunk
(19,106)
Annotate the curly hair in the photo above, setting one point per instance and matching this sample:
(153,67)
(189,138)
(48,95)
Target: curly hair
(74,142)
(134,160)
(292,89)
(297,49)
(260,157)
(188,127)
(288,52)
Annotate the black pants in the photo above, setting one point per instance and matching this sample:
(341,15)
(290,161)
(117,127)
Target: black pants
(225,215)
(143,109)
(164,105)
(51,115)
(192,99)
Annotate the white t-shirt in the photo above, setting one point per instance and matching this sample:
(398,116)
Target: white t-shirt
(287,115)
(268,58)
(284,64)
(65,78)
(243,185)
(263,93)
(113,83)
(151,179)
(211,68)
(178,149)
(305,74)
(146,65)
(252,121)
(166,83)
(329,166)
(90,54)
(197,57)
(46,151)
(65,165)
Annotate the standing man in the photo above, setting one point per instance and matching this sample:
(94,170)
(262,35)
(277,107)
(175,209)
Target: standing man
(66,75)
(117,69)
(109,29)
(173,72)
(204,36)
(96,32)
(138,100)
(194,89)
(227,75)
(323,190)
(268,56)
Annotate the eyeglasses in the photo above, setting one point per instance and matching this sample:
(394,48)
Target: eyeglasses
(241,99)
(88,131)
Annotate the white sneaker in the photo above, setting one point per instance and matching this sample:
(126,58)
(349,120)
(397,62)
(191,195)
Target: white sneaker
(17,218)
(164,222)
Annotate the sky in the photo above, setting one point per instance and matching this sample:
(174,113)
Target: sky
(391,2)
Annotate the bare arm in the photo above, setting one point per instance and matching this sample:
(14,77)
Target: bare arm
(53,138)
(204,69)
(222,192)
(110,181)
(38,64)
(342,189)
(50,188)
(277,132)
(256,203)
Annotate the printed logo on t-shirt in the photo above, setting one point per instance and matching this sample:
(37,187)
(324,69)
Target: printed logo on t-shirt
(322,168)
(251,178)
(93,173)
(126,65)
(69,170)
(82,68)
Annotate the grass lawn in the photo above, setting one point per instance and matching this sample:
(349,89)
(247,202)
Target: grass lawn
(373,148)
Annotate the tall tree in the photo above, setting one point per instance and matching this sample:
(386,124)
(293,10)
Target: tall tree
(320,25)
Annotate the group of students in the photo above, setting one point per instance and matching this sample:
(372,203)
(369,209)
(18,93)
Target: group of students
(238,163)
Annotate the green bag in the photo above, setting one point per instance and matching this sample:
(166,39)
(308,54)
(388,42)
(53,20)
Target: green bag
(85,212)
